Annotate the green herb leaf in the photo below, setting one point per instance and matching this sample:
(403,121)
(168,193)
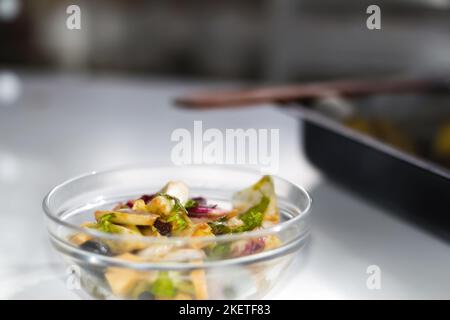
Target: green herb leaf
(219,227)
(264,180)
(220,251)
(253,217)
(178,215)
(179,222)
(190,204)
(178,206)
(105,224)
(163,286)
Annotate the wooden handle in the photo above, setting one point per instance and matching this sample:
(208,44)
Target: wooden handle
(207,100)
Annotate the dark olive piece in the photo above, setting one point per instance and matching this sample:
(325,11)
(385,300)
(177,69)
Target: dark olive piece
(96,247)
(146,295)
(147,197)
(164,228)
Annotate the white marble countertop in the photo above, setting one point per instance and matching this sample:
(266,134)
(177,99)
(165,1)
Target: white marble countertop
(64,125)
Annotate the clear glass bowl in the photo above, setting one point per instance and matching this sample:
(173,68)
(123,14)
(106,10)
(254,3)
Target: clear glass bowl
(250,274)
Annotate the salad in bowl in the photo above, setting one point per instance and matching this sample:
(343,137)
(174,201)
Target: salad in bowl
(177,241)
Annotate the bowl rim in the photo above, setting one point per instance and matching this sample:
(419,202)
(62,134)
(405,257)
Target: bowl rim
(50,214)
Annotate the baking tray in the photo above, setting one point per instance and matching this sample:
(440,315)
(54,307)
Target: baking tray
(411,186)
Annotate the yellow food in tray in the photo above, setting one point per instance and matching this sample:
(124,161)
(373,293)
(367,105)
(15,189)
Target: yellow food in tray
(385,131)
(435,147)
(441,145)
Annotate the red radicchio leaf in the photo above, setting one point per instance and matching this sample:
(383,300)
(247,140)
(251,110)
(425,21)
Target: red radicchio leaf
(145,197)
(200,201)
(253,246)
(203,210)
(206,212)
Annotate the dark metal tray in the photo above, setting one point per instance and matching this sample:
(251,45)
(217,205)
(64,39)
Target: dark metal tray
(411,186)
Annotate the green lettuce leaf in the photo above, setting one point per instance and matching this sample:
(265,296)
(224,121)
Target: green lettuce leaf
(178,215)
(219,227)
(253,217)
(163,286)
(105,224)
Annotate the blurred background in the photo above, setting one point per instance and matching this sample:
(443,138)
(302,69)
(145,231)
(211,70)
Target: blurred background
(260,40)
(74,101)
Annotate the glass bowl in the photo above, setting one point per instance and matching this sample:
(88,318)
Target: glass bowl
(196,271)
